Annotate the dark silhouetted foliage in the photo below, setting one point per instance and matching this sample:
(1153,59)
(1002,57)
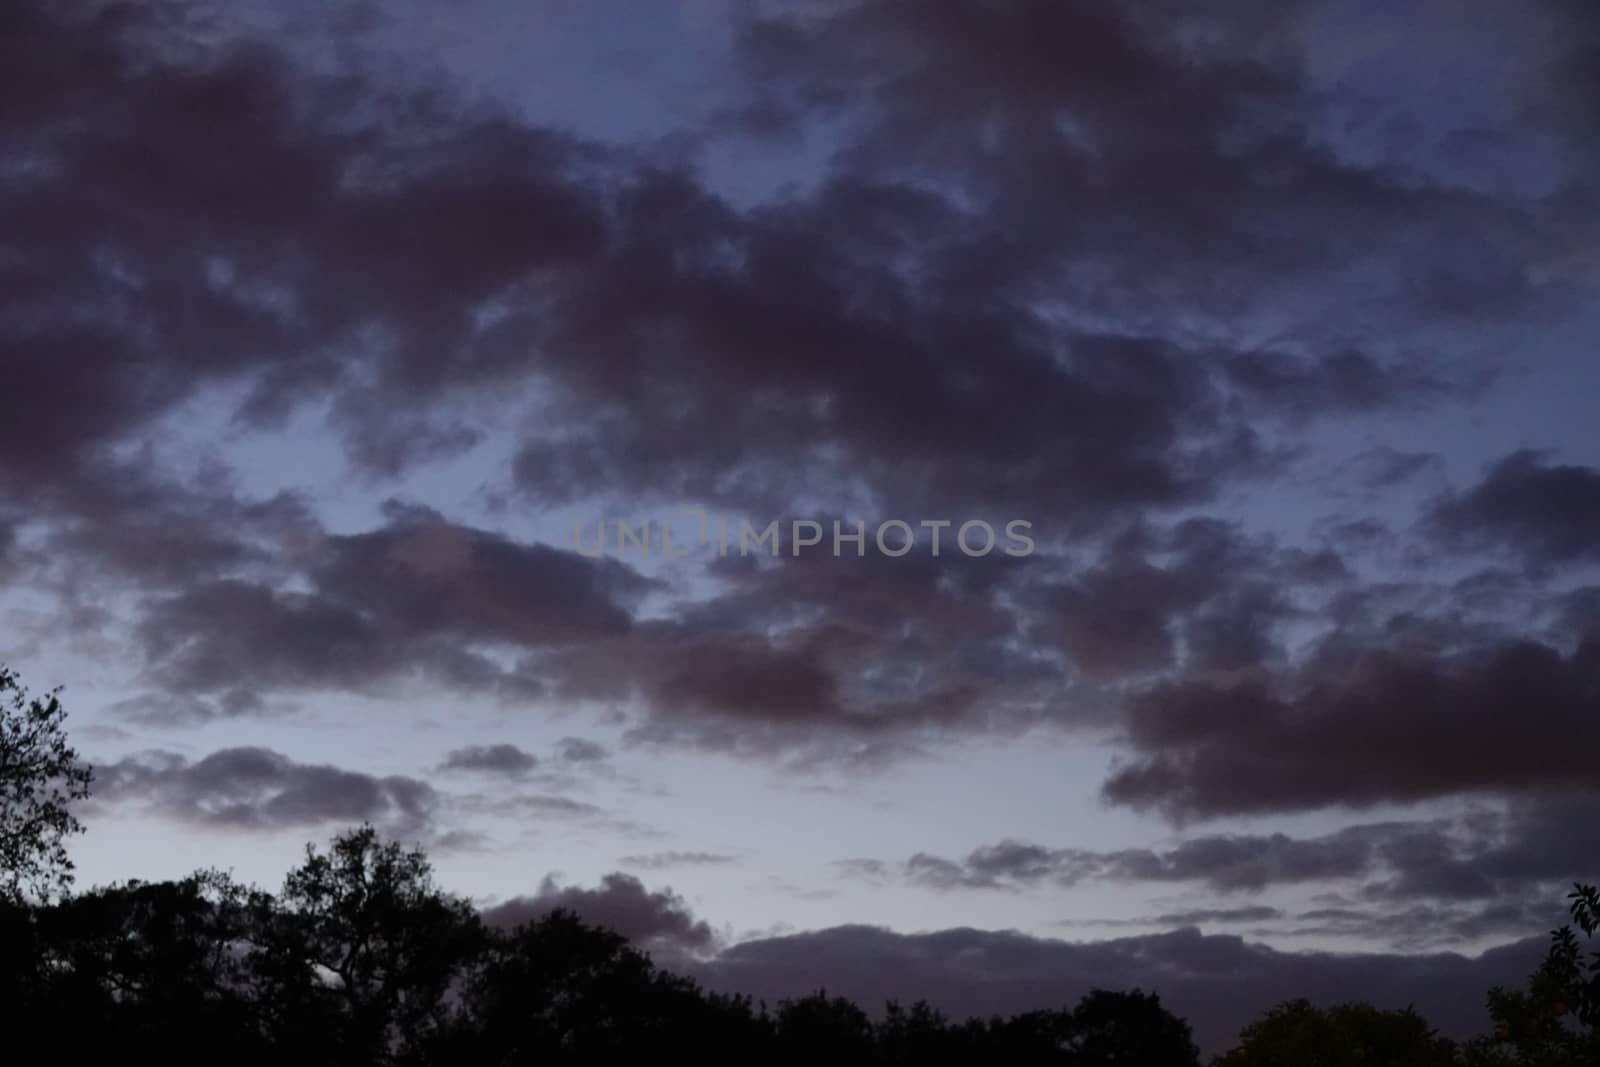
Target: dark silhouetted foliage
(1555,1021)
(1296,1034)
(40,777)
(361,959)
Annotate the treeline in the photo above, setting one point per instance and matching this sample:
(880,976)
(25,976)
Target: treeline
(361,959)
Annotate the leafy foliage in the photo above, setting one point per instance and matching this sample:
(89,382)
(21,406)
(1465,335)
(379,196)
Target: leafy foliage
(1297,1034)
(40,778)
(1555,1021)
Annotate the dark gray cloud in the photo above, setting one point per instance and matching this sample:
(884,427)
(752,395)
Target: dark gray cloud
(1428,926)
(501,759)
(1417,883)
(1378,726)
(814,658)
(1218,982)
(533,812)
(581,750)
(1250,913)
(1341,382)
(992,298)
(1546,513)
(860,659)
(1202,590)
(180,709)
(547,806)
(656,920)
(259,789)
(1221,862)
(1580,611)
(1384,467)
(421,595)
(358,257)
(264,226)
(424,574)
(1115,103)
(418,596)
(656,861)
(498,205)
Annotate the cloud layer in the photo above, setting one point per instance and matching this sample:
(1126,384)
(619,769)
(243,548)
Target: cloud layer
(317,350)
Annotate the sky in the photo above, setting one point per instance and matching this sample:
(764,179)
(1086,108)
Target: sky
(526,428)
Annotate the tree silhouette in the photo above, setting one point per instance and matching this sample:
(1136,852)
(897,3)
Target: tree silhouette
(558,990)
(40,778)
(823,1029)
(135,964)
(920,1036)
(1297,1034)
(1555,1021)
(361,935)
(1117,1028)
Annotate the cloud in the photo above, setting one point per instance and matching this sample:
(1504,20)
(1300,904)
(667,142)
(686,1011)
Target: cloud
(1423,926)
(857,660)
(424,574)
(546,805)
(797,659)
(1225,863)
(1403,883)
(1253,913)
(1546,514)
(531,811)
(1384,467)
(653,920)
(421,278)
(305,252)
(1340,382)
(501,759)
(1029,106)
(906,252)
(259,789)
(178,709)
(418,596)
(1218,982)
(990,299)
(1201,590)
(656,861)
(581,750)
(1381,726)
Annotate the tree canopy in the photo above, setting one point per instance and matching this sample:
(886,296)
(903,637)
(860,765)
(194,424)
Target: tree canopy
(40,778)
